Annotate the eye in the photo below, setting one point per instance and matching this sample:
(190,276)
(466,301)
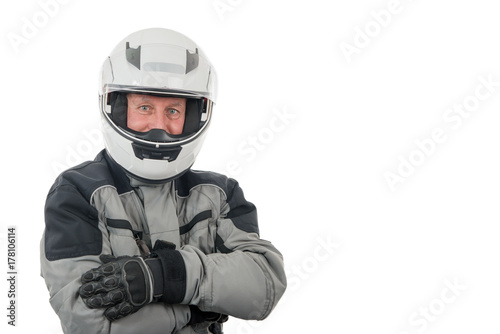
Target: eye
(173,113)
(144,108)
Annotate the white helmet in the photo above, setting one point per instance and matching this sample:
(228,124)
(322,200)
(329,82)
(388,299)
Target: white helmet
(158,62)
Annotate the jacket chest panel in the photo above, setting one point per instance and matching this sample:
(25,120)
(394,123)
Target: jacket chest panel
(148,215)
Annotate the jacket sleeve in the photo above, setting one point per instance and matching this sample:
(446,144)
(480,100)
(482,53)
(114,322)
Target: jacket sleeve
(245,277)
(74,238)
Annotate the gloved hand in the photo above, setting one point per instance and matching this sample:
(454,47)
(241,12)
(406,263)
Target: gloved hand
(121,285)
(125,284)
(198,316)
(211,319)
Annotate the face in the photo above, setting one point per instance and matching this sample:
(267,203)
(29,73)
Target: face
(146,112)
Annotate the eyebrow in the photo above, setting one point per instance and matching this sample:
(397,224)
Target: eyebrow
(177,104)
(142,98)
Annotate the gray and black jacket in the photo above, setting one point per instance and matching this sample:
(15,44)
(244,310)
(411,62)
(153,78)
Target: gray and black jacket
(95,208)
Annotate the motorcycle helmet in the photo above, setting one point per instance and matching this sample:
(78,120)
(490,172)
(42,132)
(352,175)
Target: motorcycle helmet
(163,63)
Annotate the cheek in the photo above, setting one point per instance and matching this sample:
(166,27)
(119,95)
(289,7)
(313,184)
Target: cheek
(175,127)
(135,121)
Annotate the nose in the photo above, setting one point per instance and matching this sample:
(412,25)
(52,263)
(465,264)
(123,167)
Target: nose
(158,121)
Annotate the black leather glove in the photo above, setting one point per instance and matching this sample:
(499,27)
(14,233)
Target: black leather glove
(125,284)
(198,316)
(121,285)
(215,319)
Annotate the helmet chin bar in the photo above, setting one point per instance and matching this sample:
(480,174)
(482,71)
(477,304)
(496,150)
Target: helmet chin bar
(155,135)
(143,151)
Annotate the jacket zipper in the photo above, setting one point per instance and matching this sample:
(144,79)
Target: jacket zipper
(143,247)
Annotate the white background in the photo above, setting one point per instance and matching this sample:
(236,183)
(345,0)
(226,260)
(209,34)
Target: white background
(321,179)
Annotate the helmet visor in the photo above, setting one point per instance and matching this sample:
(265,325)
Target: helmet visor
(155,116)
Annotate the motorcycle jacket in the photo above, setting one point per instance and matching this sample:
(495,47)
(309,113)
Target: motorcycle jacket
(95,208)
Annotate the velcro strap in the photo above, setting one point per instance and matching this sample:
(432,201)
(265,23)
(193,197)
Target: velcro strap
(157,272)
(174,275)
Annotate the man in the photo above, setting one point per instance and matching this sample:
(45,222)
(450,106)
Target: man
(137,242)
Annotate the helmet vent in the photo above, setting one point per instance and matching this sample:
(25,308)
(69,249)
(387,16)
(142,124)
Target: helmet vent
(192,60)
(133,55)
(148,152)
